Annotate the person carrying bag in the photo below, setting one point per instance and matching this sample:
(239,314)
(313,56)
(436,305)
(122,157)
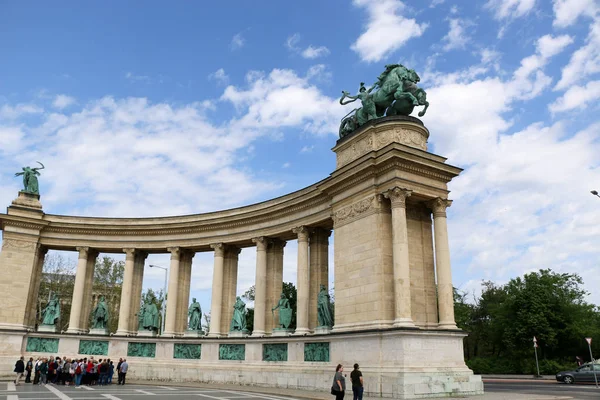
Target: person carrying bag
(338,388)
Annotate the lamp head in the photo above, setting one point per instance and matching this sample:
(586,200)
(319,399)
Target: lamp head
(594,192)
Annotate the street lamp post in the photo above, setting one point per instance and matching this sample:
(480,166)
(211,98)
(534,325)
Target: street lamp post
(164,305)
(595,193)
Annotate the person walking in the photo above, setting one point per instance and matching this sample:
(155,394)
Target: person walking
(36,370)
(111,371)
(120,377)
(124,368)
(338,388)
(78,373)
(44,372)
(28,369)
(19,370)
(357,383)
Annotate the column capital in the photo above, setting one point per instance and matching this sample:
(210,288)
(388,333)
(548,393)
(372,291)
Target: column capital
(175,252)
(438,206)
(83,252)
(261,243)
(141,255)
(277,244)
(233,251)
(302,232)
(129,253)
(219,249)
(397,196)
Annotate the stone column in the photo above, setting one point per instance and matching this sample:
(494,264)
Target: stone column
(260,297)
(230,273)
(183,301)
(402,299)
(136,289)
(86,309)
(126,294)
(217,290)
(34,290)
(443,268)
(78,292)
(274,282)
(171,317)
(319,271)
(303,280)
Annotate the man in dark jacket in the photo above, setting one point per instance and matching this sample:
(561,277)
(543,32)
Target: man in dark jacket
(28,369)
(19,369)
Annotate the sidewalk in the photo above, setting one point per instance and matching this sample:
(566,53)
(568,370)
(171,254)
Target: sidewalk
(520,377)
(303,394)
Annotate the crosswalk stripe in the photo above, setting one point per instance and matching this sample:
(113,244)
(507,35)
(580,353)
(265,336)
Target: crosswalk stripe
(57,392)
(144,392)
(87,388)
(111,397)
(166,387)
(10,386)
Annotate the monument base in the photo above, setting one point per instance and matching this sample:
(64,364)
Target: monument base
(194,334)
(282,332)
(28,200)
(146,333)
(322,330)
(238,334)
(99,331)
(48,328)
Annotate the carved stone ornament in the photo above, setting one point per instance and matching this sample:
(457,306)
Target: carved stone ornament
(261,243)
(438,206)
(19,245)
(354,211)
(219,249)
(355,150)
(175,252)
(397,196)
(302,232)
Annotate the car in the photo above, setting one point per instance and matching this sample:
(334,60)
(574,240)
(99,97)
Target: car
(583,373)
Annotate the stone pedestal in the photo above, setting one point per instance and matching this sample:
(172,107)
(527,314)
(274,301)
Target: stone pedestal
(99,331)
(28,200)
(48,328)
(193,334)
(146,333)
(238,334)
(282,332)
(322,330)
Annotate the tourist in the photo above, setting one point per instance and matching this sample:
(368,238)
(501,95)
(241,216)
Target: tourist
(28,369)
(357,383)
(19,369)
(123,371)
(338,388)
(72,367)
(36,369)
(78,373)
(102,372)
(44,372)
(119,376)
(111,371)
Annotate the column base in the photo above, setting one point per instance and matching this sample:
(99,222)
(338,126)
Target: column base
(215,334)
(302,332)
(322,330)
(98,331)
(256,333)
(48,328)
(239,334)
(447,325)
(146,333)
(194,334)
(282,332)
(124,333)
(76,331)
(404,323)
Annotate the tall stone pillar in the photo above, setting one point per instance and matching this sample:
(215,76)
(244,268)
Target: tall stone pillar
(274,282)
(34,288)
(185,279)
(136,289)
(88,291)
(171,317)
(303,280)
(230,273)
(400,259)
(124,328)
(78,299)
(217,290)
(443,268)
(260,296)
(319,271)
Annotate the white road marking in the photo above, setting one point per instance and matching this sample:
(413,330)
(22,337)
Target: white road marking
(111,397)
(261,395)
(210,397)
(12,397)
(57,392)
(10,386)
(87,387)
(166,387)
(144,392)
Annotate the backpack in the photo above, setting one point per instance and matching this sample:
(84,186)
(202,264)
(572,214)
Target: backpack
(78,369)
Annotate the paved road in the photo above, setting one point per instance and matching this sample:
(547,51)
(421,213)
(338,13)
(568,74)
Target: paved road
(550,388)
(8,391)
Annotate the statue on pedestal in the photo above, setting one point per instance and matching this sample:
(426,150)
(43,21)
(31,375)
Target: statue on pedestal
(51,313)
(195,316)
(324,314)
(148,317)
(30,181)
(100,315)
(285,312)
(238,322)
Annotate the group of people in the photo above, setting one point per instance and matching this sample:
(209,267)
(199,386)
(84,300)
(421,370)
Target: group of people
(70,372)
(338,388)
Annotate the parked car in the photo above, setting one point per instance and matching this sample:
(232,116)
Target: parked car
(584,373)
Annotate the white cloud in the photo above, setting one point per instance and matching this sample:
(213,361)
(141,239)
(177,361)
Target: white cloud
(292,41)
(577,97)
(315,52)
(386,31)
(136,78)
(237,41)
(584,62)
(510,9)
(63,101)
(435,3)
(17,111)
(286,165)
(456,38)
(568,11)
(307,149)
(220,76)
(11,139)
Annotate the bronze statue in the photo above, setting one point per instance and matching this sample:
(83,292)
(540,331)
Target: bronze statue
(30,181)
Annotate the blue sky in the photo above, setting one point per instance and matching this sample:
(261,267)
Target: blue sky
(163,108)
